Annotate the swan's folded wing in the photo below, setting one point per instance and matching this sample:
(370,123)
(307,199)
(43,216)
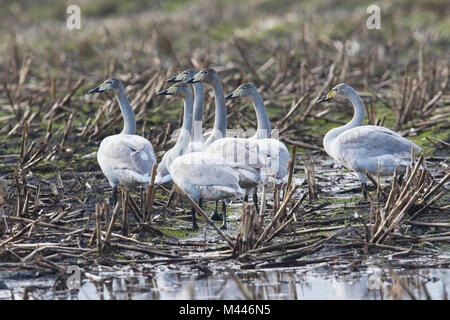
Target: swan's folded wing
(372,141)
(239,150)
(277,156)
(270,155)
(205,169)
(142,157)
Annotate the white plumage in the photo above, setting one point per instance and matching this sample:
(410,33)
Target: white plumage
(126,160)
(269,156)
(378,150)
(203,175)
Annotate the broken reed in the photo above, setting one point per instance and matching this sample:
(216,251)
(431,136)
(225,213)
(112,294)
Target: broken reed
(309,171)
(406,200)
(253,233)
(250,229)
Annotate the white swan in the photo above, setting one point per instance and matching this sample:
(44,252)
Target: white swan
(126,158)
(183,91)
(378,150)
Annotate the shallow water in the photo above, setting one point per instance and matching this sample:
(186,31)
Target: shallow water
(278,284)
(299,283)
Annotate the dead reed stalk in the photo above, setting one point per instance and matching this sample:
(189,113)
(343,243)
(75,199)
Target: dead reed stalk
(150,194)
(411,195)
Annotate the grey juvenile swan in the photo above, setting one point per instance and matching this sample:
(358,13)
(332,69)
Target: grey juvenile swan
(211,77)
(275,153)
(266,154)
(196,142)
(219,130)
(125,158)
(183,91)
(218,135)
(359,147)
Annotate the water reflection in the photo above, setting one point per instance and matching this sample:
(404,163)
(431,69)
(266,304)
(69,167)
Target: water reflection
(271,284)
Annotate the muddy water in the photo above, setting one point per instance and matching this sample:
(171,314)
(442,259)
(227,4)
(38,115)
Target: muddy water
(300,283)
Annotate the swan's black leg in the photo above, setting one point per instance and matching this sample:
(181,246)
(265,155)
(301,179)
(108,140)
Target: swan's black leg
(182,205)
(364,190)
(194,220)
(200,203)
(114,197)
(141,194)
(400,180)
(246,198)
(224,213)
(216,216)
(255,201)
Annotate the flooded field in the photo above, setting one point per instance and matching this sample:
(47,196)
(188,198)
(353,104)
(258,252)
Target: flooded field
(322,256)
(319,282)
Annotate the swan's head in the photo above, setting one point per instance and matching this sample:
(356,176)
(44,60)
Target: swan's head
(180,89)
(206,75)
(114,85)
(339,90)
(244,90)
(184,76)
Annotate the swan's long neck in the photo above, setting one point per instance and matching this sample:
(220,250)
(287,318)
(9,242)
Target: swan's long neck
(357,120)
(187,117)
(263,129)
(185,130)
(220,119)
(129,126)
(196,130)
